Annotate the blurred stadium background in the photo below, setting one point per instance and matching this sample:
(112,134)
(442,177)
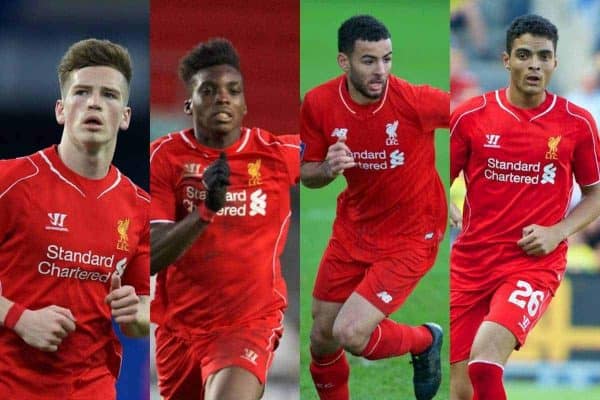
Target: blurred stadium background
(561,359)
(34,34)
(266,36)
(420,37)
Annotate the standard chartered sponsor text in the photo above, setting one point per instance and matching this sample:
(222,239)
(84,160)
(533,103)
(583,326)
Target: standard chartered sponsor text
(56,253)
(512,171)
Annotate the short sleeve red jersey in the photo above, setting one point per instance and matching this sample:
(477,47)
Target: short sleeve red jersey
(61,238)
(519,166)
(231,274)
(394,191)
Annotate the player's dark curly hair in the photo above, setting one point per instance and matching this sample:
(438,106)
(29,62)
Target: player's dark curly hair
(92,53)
(360,27)
(532,24)
(216,51)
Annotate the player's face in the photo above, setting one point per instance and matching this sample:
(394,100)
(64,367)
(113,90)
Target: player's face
(93,107)
(531,64)
(217,104)
(367,68)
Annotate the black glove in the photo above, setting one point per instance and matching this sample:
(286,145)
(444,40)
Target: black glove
(216,180)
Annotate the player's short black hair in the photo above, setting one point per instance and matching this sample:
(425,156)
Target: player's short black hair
(532,24)
(360,27)
(216,51)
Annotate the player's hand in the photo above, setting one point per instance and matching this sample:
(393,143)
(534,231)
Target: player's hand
(45,328)
(455,216)
(339,158)
(123,301)
(540,240)
(216,180)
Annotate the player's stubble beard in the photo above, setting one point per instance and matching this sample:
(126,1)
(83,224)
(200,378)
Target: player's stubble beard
(362,89)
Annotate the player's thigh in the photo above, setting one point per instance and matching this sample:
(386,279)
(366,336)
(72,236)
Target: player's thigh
(467,311)
(179,371)
(338,274)
(391,278)
(250,347)
(493,342)
(233,383)
(460,384)
(357,318)
(518,304)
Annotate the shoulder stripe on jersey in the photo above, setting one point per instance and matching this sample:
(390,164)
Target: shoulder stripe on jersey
(385,92)
(468,112)
(137,192)
(547,110)
(114,185)
(169,138)
(185,139)
(244,141)
(161,221)
(37,171)
(55,171)
(594,137)
(502,106)
(293,146)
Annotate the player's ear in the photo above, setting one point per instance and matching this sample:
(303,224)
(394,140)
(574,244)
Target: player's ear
(126,119)
(505,60)
(187,106)
(343,62)
(59,112)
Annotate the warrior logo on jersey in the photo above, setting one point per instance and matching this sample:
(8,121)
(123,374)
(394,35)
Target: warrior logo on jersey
(250,355)
(122,228)
(57,222)
(492,141)
(254,172)
(340,133)
(390,131)
(552,153)
(191,170)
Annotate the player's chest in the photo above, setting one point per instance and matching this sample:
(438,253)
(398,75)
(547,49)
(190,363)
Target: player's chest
(70,234)
(523,142)
(254,188)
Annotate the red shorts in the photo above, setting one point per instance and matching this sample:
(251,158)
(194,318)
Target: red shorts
(517,303)
(184,364)
(385,280)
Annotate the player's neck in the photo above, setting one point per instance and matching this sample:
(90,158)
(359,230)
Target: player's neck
(521,100)
(88,163)
(217,140)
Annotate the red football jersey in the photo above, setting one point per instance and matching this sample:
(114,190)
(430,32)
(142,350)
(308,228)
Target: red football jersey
(395,191)
(61,238)
(518,166)
(231,274)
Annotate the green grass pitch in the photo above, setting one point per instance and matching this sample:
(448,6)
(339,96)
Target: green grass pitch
(420,39)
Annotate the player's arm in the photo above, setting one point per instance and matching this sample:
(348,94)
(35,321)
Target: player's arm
(140,327)
(319,174)
(43,329)
(130,311)
(540,240)
(169,241)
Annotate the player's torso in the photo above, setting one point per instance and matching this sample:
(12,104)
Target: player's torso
(520,170)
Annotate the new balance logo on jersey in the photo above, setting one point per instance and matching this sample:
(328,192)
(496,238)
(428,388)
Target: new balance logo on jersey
(258,203)
(191,170)
(549,174)
(390,131)
(396,158)
(385,297)
(492,141)
(340,133)
(57,222)
(250,355)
